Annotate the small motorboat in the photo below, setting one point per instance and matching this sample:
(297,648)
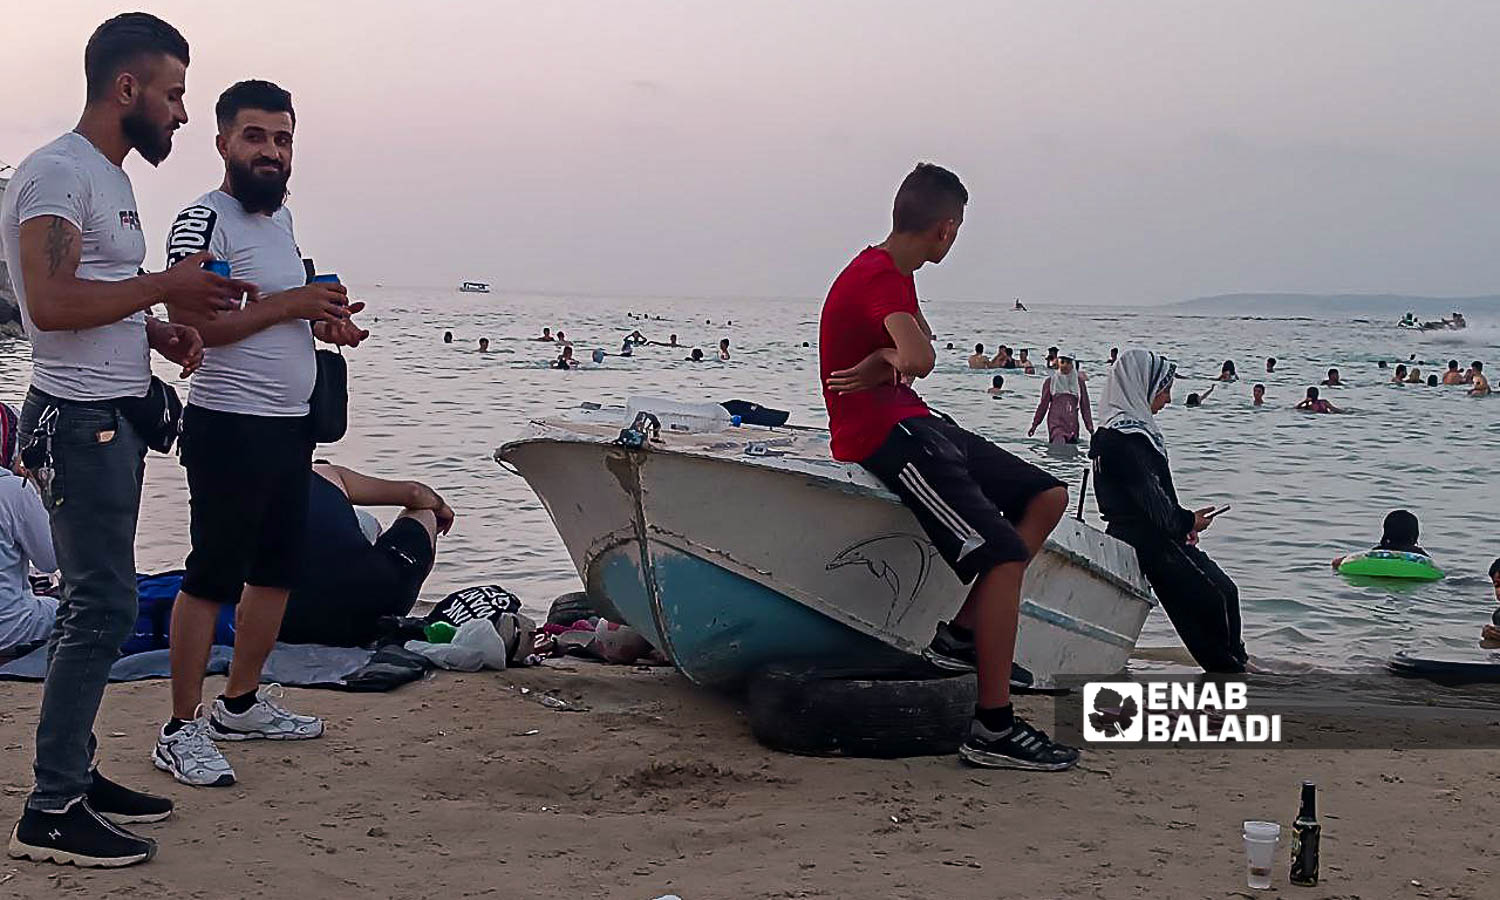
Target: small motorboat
(734,547)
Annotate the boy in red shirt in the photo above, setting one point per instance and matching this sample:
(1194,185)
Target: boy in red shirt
(985,511)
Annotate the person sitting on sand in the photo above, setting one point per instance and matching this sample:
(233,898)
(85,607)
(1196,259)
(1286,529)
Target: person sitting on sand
(1195,400)
(339,604)
(1024,362)
(695,356)
(1064,396)
(724,350)
(25,543)
(1333,379)
(1133,486)
(1258,395)
(484,345)
(1454,375)
(1399,534)
(1490,634)
(1270,365)
(566,361)
(1400,376)
(997,386)
(979,360)
(1316,404)
(1227,373)
(1481,384)
(1414,376)
(545,337)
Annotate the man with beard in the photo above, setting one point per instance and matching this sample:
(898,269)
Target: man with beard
(246,443)
(72,238)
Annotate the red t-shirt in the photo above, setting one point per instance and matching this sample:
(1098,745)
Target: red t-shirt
(853,326)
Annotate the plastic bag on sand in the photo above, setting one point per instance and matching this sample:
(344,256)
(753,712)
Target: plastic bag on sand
(476,645)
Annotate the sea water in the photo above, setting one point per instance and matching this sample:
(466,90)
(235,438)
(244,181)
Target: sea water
(1304,488)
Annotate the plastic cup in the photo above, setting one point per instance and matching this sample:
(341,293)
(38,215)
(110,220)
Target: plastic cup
(1261,839)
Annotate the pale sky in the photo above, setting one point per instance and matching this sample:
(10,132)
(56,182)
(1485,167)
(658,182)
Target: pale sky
(1120,152)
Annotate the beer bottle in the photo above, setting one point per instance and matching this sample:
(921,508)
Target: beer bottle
(1305,834)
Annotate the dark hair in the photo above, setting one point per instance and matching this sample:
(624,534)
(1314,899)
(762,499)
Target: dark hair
(1258,387)
(1381,364)
(1400,530)
(1453,365)
(1271,360)
(978,348)
(1495,568)
(1332,372)
(1194,400)
(252,94)
(1051,351)
(926,197)
(1478,366)
(1432,381)
(1114,351)
(1312,393)
(121,42)
(997,381)
(1400,369)
(1228,366)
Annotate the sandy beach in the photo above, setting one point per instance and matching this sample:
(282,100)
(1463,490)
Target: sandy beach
(652,787)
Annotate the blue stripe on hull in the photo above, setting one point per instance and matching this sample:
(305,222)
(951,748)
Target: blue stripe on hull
(724,626)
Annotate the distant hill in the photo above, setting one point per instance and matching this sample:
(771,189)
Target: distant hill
(1375,306)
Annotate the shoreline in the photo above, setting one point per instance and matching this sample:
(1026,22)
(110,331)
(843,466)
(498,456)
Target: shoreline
(461,785)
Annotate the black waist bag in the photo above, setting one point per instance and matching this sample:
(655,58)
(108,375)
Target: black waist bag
(156,417)
(328,407)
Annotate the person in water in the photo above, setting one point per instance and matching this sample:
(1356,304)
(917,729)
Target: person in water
(980,360)
(1270,365)
(1454,375)
(997,386)
(1258,395)
(1052,357)
(1432,381)
(1481,384)
(563,339)
(545,337)
(1064,396)
(1414,376)
(695,356)
(1381,364)
(484,345)
(1333,379)
(637,338)
(1399,534)
(1316,404)
(1133,485)
(986,512)
(627,348)
(1400,376)
(566,360)
(447,337)
(1024,362)
(1196,400)
(1227,373)
(724,350)
(1490,634)
(1114,354)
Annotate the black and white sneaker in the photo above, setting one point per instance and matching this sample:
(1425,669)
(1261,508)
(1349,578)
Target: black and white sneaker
(952,653)
(77,835)
(121,805)
(1019,747)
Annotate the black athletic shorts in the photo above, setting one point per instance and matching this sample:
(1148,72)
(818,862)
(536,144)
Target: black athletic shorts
(340,605)
(965,491)
(247,494)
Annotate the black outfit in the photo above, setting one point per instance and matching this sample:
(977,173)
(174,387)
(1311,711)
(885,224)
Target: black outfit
(964,491)
(247,495)
(1136,497)
(348,583)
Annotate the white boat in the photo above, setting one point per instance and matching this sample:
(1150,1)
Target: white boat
(738,547)
(474,287)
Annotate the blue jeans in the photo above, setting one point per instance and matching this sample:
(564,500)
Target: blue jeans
(95,497)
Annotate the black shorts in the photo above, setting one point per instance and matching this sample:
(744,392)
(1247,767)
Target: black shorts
(247,492)
(340,605)
(965,491)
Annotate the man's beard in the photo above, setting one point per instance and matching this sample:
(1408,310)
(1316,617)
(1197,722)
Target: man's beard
(150,140)
(258,193)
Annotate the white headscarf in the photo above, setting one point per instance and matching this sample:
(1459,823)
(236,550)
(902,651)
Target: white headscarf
(1065,384)
(1138,376)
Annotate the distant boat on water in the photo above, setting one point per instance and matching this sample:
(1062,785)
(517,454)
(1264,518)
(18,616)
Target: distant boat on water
(475,287)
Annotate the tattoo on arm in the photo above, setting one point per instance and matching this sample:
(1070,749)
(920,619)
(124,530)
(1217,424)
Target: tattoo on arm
(59,244)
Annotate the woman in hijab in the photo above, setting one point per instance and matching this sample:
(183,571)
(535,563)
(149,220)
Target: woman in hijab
(1133,484)
(25,541)
(1063,396)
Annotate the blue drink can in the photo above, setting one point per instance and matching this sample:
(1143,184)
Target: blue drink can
(325,279)
(218,266)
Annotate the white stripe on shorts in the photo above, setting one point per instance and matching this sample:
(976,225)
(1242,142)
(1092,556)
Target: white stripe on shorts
(935,504)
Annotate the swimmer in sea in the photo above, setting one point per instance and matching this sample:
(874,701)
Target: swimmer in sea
(950,345)
(1381,364)
(1114,354)
(1258,395)
(1333,379)
(1399,534)
(1227,373)
(1400,375)
(1481,386)
(1414,376)
(1490,634)
(484,345)
(979,360)
(695,356)
(1316,404)
(637,338)
(1453,375)
(566,361)
(1052,358)
(672,341)
(626,349)
(1004,359)
(1270,364)
(1195,400)
(447,337)
(997,386)
(724,350)
(545,337)
(563,339)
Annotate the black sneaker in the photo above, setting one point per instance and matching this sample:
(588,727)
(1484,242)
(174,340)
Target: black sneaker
(77,835)
(1019,747)
(952,653)
(121,805)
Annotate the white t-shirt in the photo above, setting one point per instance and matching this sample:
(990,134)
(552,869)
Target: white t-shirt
(271,372)
(71,179)
(25,541)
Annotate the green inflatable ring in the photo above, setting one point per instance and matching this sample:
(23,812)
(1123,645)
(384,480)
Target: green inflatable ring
(1391,564)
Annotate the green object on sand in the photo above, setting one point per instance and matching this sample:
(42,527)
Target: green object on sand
(440,633)
(1391,564)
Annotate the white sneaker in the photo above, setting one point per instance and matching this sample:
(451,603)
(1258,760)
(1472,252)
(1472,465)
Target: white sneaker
(191,756)
(266,720)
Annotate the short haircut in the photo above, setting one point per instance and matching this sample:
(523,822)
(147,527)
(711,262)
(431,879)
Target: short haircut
(1312,393)
(978,348)
(1495,568)
(252,94)
(1478,366)
(1259,387)
(997,381)
(926,197)
(123,41)
(1333,372)
(1453,364)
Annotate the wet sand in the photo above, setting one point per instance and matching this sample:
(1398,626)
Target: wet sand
(653,787)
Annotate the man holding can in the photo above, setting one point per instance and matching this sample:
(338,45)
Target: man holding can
(246,442)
